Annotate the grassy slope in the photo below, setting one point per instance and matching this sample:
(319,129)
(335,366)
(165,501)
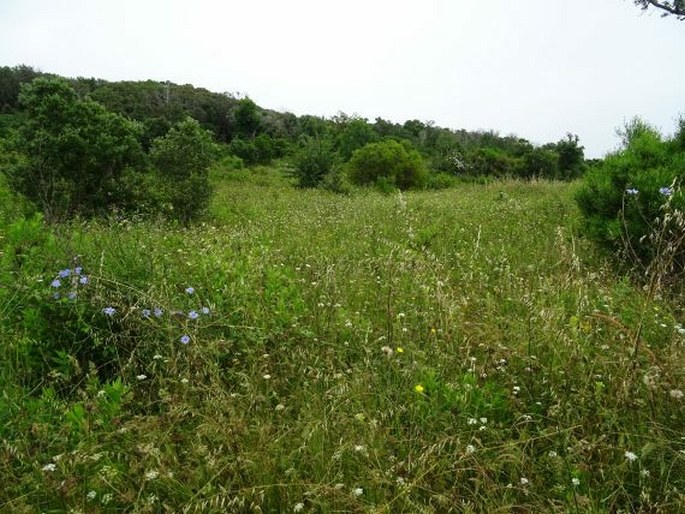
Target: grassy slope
(455,350)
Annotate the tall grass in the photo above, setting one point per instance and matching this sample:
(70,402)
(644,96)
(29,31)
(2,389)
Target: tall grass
(442,351)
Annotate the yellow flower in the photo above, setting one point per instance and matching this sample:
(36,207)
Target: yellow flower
(432,331)
(419,388)
(399,349)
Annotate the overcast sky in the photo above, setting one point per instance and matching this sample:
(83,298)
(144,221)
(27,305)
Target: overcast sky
(535,68)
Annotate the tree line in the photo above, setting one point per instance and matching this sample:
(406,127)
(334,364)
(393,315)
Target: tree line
(81,145)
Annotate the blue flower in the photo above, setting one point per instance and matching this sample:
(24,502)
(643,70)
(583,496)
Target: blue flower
(83,280)
(158,312)
(109,311)
(78,270)
(56,283)
(666,191)
(185,339)
(55,296)
(190,290)
(632,191)
(65,273)
(205,310)
(193,315)
(146,313)
(71,295)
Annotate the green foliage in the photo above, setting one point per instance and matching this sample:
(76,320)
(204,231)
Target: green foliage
(632,201)
(75,152)
(387,164)
(354,133)
(259,150)
(182,159)
(247,118)
(314,161)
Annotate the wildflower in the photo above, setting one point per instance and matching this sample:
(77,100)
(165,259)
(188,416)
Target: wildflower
(516,389)
(78,270)
(56,296)
(109,311)
(359,448)
(49,467)
(141,377)
(65,273)
(630,456)
(575,482)
(71,295)
(158,312)
(419,388)
(298,507)
(193,315)
(267,377)
(83,280)
(666,191)
(280,407)
(676,393)
(157,357)
(552,454)
(358,491)
(401,315)
(205,310)
(91,495)
(632,191)
(387,350)
(185,339)
(151,475)
(472,421)
(190,290)
(399,349)
(483,420)
(184,381)
(524,481)
(145,313)
(470,449)
(56,283)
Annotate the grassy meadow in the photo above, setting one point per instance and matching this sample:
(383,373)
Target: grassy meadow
(459,350)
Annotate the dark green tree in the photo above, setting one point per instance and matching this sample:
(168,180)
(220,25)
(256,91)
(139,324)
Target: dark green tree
(247,118)
(76,151)
(182,159)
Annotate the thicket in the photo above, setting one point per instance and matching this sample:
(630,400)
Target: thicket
(633,203)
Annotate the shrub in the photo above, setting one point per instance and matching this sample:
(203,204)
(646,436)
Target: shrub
(76,151)
(314,161)
(632,202)
(182,158)
(390,163)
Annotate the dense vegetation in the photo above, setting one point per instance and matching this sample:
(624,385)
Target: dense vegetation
(194,320)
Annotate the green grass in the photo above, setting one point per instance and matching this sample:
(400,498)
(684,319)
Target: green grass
(459,350)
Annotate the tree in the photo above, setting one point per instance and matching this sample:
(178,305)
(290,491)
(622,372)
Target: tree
(76,151)
(388,163)
(182,158)
(247,118)
(668,8)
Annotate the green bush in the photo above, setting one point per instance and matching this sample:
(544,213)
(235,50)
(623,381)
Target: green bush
(632,202)
(76,151)
(389,164)
(182,159)
(314,161)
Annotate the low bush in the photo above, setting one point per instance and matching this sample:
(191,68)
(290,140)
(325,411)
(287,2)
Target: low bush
(388,164)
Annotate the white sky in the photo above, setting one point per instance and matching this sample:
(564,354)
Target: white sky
(535,68)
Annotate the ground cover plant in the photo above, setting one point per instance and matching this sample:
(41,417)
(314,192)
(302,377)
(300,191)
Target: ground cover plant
(300,351)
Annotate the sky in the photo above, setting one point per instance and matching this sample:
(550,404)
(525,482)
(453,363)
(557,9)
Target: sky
(535,68)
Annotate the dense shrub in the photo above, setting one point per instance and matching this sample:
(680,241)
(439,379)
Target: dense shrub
(632,201)
(260,150)
(388,164)
(76,151)
(314,160)
(182,159)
